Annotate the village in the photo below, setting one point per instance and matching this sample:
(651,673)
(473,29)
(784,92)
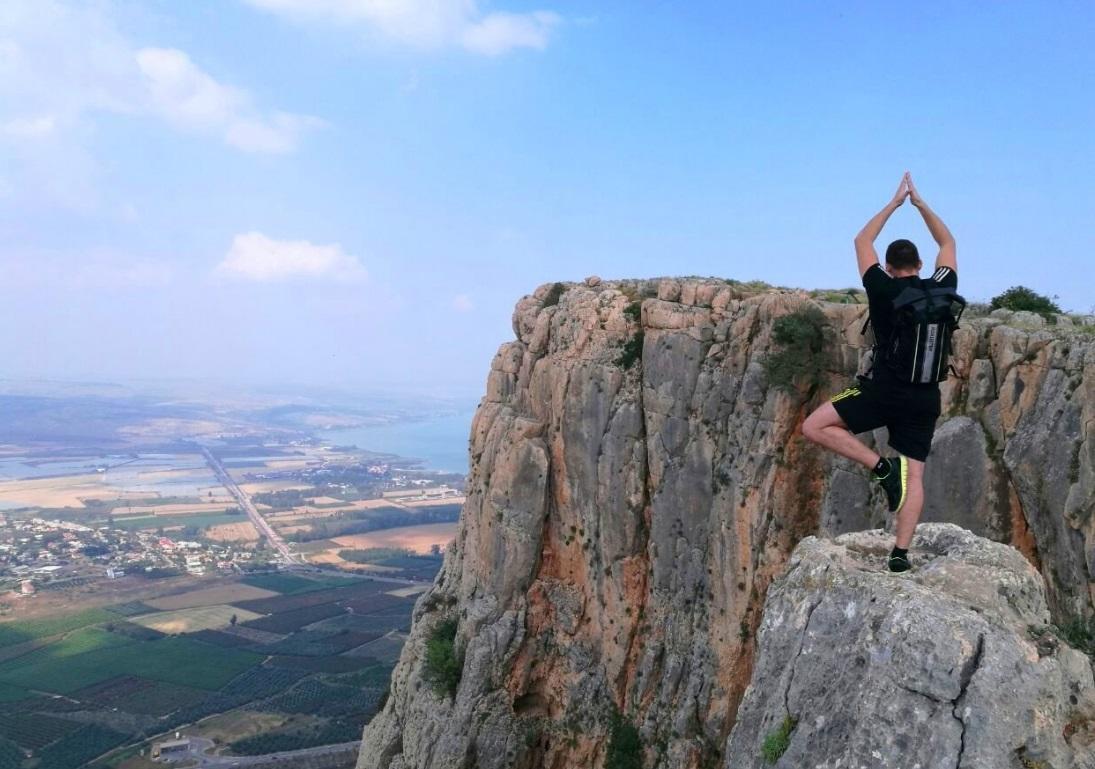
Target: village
(41,554)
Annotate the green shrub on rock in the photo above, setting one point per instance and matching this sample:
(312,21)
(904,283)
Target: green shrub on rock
(800,339)
(625,749)
(775,744)
(443,666)
(1023,298)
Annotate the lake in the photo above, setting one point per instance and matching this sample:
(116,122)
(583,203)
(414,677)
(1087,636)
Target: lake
(441,442)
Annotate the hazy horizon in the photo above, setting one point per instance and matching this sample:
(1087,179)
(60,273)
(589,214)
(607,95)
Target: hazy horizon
(355,194)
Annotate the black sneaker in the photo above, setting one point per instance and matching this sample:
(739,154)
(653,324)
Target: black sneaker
(895,483)
(899,563)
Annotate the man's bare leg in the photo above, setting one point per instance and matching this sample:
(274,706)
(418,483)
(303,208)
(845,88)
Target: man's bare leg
(825,428)
(909,513)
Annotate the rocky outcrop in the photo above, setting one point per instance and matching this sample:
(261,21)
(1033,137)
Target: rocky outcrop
(636,484)
(949,665)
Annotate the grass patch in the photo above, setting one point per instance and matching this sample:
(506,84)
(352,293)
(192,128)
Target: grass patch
(775,744)
(1079,633)
(800,355)
(443,665)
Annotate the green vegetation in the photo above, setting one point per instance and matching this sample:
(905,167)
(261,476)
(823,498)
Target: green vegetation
(11,757)
(625,749)
(844,296)
(80,747)
(632,350)
(63,668)
(1079,633)
(17,632)
(198,522)
(443,666)
(329,733)
(12,694)
(408,560)
(553,295)
(1028,762)
(342,524)
(1023,298)
(800,338)
(634,310)
(775,744)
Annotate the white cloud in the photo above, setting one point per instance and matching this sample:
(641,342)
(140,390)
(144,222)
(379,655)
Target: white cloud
(462,303)
(255,257)
(189,98)
(500,32)
(428,23)
(29,127)
(64,63)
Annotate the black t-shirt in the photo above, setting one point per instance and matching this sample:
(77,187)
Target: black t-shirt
(881,291)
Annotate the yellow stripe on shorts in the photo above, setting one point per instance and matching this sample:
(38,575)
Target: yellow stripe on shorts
(848,393)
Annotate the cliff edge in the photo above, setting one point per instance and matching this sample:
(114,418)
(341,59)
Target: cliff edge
(636,483)
(949,665)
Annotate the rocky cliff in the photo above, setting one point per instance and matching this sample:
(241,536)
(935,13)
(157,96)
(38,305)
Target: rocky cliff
(636,484)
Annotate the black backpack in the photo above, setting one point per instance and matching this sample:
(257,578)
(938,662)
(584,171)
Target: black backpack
(924,320)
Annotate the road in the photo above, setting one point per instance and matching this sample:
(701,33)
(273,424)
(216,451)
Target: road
(248,507)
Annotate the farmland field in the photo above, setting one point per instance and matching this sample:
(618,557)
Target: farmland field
(173,660)
(197,618)
(289,584)
(211,596)
(291,621)
(18,632)
(141,695)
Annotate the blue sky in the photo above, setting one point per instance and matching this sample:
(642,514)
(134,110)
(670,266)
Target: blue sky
(356,192)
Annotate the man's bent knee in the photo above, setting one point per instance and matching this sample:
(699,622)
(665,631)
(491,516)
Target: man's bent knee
(823,416)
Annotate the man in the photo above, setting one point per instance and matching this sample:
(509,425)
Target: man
(908,411)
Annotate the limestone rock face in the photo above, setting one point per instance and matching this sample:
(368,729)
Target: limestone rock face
(636,484)
(948,665)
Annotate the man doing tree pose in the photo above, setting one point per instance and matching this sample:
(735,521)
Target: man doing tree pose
(901,391)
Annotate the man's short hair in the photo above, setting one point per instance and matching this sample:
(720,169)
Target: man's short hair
(902,254)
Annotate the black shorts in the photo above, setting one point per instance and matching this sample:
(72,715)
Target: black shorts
(908,412)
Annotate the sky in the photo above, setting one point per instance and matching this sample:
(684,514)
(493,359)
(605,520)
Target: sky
(355,193)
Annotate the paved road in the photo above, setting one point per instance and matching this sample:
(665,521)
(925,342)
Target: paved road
(248,507)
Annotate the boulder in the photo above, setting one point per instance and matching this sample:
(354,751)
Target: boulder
(950,664)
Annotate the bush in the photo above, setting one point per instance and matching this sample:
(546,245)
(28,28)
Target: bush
(552,298)
(625,750)
(1079,633)
(1023,298)
(443,666)
(632,351)
(775,744)
(800,338)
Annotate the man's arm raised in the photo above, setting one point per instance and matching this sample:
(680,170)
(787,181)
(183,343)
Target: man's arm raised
(864,241)
(948,253)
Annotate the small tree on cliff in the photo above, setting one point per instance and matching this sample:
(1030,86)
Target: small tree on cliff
(443,666)
(800,355)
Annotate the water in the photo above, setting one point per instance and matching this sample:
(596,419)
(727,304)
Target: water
(442,442)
